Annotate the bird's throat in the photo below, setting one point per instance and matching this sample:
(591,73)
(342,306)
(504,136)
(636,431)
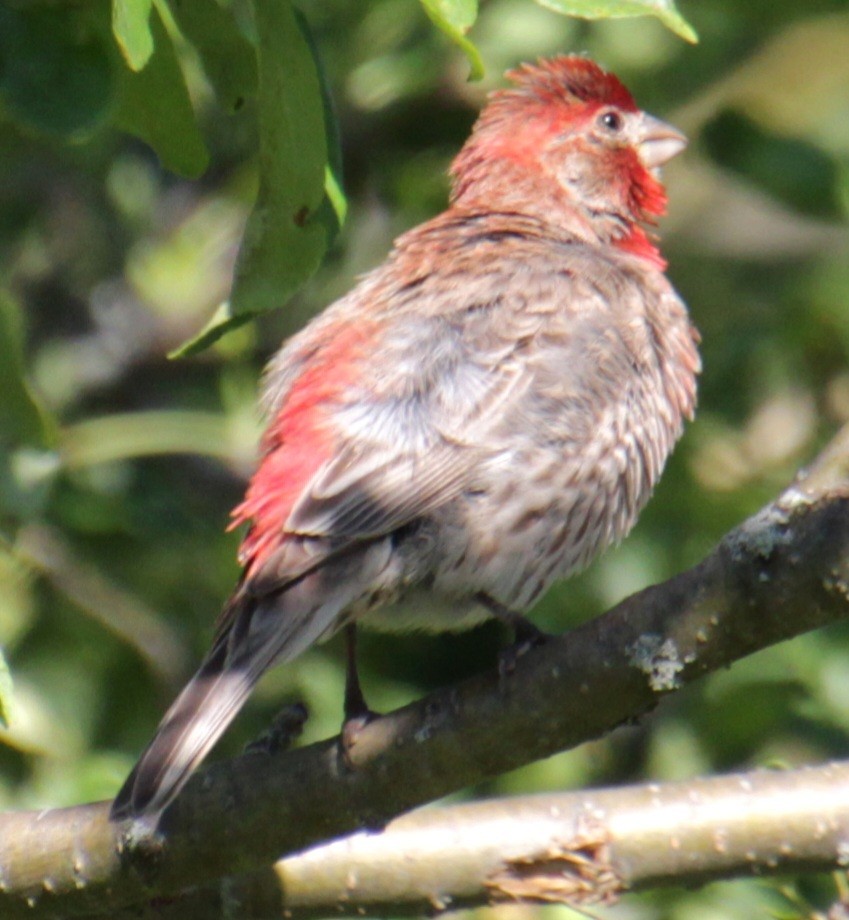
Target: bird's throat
(638,242)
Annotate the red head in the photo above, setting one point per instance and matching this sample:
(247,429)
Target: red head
(571,131)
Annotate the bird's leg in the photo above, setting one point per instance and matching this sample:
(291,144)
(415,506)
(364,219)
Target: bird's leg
(524,631)
(355,702)
(525,634)
(357,713)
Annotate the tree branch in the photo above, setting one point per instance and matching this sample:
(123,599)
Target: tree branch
(783,572)
(579,848)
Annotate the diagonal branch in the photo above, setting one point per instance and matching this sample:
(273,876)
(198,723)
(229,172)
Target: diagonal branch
(783,572)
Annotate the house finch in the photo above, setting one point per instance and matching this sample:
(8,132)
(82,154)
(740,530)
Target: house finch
(479,416)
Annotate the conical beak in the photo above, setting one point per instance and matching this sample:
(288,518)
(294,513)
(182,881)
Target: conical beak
(659,142)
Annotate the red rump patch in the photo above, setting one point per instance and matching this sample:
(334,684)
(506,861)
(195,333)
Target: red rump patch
(298,441)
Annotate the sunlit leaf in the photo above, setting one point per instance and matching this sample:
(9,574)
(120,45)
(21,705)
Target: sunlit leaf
(55,74)
(154,105)
(335,195)
(223,320)
(664,10)
(227,56)
(289,228)
(5,690)
(131,28)
(334,207)
(455,18)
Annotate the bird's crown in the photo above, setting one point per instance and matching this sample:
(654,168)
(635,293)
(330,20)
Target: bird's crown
(568,79)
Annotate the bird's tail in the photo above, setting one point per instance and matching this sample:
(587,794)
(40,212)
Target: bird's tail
(254,633)
(195,721)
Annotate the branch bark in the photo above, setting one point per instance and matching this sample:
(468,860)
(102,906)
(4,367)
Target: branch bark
(580,848)
(783,572)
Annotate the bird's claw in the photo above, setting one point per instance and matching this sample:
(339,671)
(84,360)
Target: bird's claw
(529,637)
(351,729)
(284,729)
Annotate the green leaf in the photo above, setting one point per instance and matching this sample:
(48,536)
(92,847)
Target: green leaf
(664,10)
(22,420)
(145,434)
(290,226)
(283,243)
(455,18)
(5,691)
(131,28)
(335,196)
(154,105)
(223,320)
(55,73)
(227,56)
(27,431)
(334,207)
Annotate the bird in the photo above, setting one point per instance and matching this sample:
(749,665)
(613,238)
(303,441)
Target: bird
(481,415)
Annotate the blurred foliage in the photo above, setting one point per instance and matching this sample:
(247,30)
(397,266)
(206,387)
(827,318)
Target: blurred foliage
(118,467)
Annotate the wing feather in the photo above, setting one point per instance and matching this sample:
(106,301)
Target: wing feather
(451,370)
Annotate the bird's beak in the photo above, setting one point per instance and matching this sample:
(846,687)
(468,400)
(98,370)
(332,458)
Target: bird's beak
(659,142)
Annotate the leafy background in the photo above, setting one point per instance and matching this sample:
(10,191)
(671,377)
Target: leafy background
(135,139)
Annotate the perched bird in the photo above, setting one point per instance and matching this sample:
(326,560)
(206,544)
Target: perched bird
(481,415)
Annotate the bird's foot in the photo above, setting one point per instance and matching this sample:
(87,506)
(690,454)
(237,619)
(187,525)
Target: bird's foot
(525,634)
(357,712)
(352,727)
(284,729)
(527,637)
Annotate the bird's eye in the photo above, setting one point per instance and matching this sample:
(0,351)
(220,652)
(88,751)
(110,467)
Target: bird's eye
(610,120)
